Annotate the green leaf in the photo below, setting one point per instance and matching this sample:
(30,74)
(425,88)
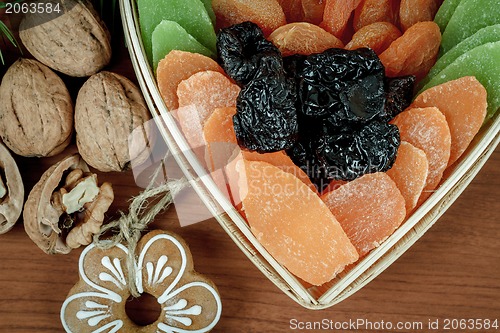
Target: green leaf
(5,32)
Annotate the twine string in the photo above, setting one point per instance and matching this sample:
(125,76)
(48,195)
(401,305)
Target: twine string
(129,226)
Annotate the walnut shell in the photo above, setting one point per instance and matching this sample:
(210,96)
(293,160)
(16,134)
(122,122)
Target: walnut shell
(36,111)
(12,197)
(50,217)
(110,111)
(76,43)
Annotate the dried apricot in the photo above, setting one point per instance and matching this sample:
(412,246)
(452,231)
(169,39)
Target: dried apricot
(414,53)
(292,223)
(267,14)
(303,38)
(336,16)
(427,129)
(413,11)
(369,209)
(371,11)
(377,36)
(281,160)
(313,10)
(409,172)
(463,102)
(293,10)
(178,66)
(207,91)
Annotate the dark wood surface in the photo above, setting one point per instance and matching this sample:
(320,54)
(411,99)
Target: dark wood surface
(452,272)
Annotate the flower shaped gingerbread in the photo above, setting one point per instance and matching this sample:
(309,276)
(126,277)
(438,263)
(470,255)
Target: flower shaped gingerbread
(189,301)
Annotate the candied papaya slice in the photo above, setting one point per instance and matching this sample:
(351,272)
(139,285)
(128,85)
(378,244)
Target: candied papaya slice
(220,138)
(303,38)
(469,17)
(414,11)
(267,14)
(414,53)
(409,172)
(445,12)
(371,11)
(152,12)
(168,36)
(483,62)
(292,223)
(207,90)
(463,102)
(427,129)
(489,34)
(368,208)
(378,36)
(178,66)
(281,160)
(336,16)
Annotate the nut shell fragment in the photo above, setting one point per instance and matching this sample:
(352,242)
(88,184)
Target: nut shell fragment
(76,43)
(12,196)
(110,117)
(36,111)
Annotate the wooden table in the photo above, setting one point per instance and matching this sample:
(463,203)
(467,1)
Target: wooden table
(452,272)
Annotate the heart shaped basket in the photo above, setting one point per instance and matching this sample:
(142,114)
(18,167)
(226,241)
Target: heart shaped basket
(345,284)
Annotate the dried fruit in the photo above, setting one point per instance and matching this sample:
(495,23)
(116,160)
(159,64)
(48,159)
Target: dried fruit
(11,191)
(218,132)
(244,52)
(427,129)
(354,94)
(445,12)
(176,67)
(110,141)
(303,38)
(313,10)
(369,209)
(76,43)
(66,207)
(336,16)
(293,10)
(414,53)
(378,36)
(267,14)
(399,94)
(463,102)
(371,11)
(413,11)
(266,118)
(409,172)
(292,223)
(36,112)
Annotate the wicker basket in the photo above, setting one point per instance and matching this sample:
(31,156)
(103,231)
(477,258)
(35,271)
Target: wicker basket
(347,283)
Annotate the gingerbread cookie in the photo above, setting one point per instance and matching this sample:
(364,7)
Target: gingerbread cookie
(189,301)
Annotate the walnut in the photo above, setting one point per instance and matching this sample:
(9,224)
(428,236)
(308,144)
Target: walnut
(110,123)
(36,111)
(76,43)
(11,191)
(66,207)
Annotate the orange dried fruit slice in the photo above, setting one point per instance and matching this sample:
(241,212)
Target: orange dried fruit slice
(281,160)
(336,16)
(293,10)
(414,53)
(313,10)
(414,11)
(303,38)
(178,66)
(377,36)
(368,208)
(409,172)
(292,223)
(220,138)
(371,11)
(427,129)
(267,14)
(464,104)
(207,90)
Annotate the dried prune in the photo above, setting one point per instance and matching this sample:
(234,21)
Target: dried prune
(266,118)
(399,94)
(348,153)
(342,85)
(243,50)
